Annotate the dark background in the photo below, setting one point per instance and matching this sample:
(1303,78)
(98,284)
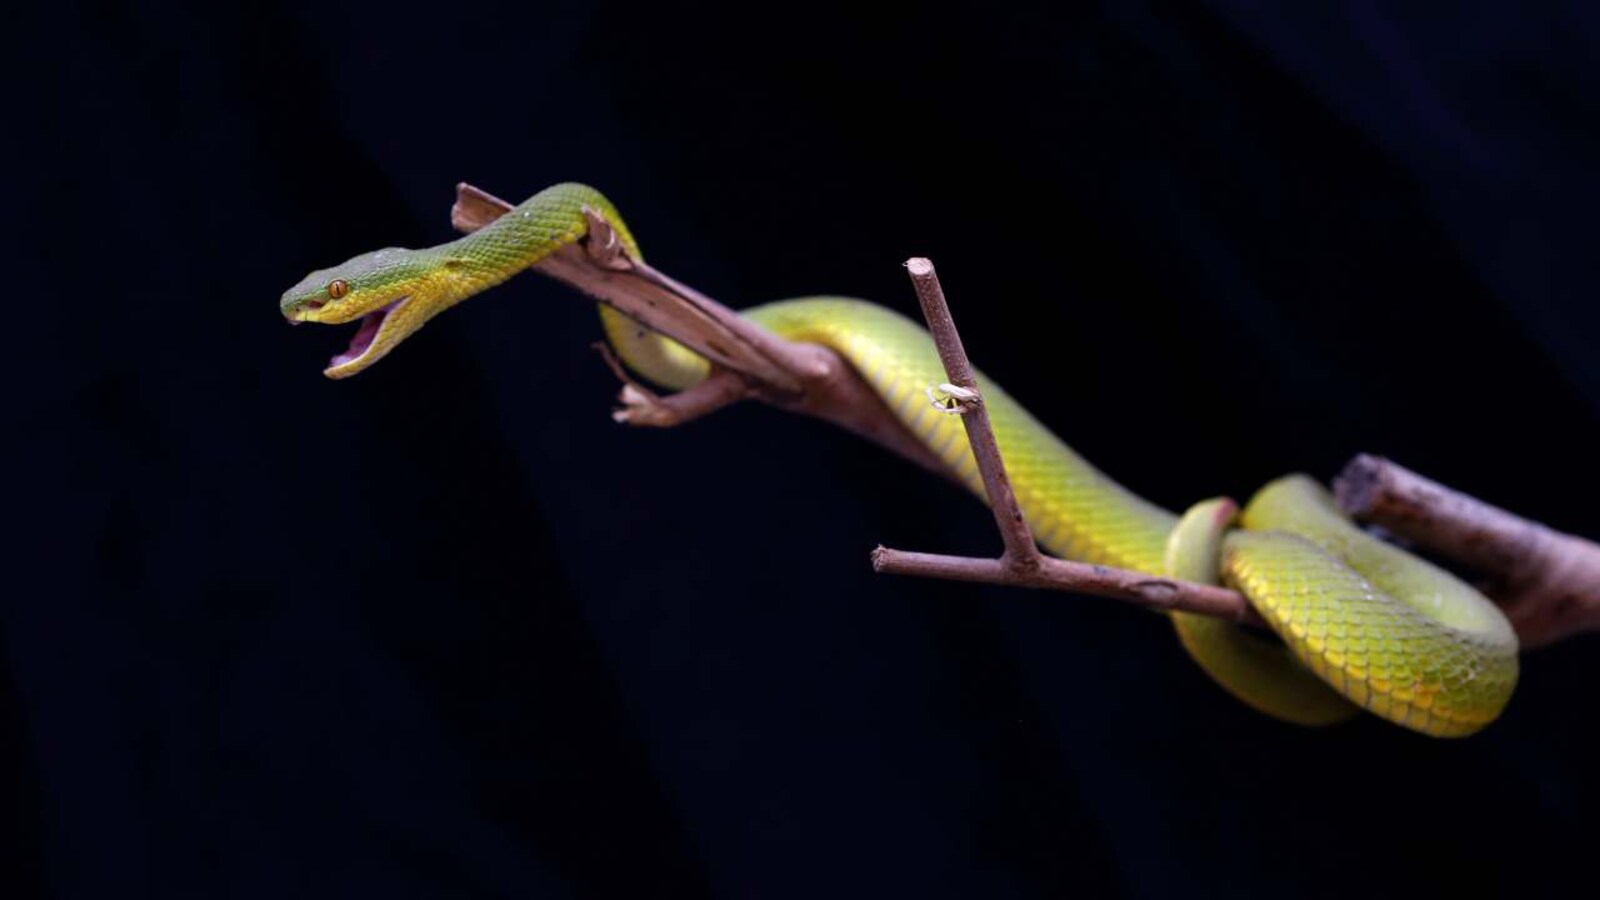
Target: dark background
(446,631)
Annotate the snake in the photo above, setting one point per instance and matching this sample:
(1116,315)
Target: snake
(1353,622)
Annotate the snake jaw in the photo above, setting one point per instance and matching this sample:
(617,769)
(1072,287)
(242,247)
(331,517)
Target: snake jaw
(380,330)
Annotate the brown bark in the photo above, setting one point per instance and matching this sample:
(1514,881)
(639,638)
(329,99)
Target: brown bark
(1547,582)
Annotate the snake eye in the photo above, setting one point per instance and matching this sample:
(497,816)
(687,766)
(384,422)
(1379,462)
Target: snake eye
(338,288)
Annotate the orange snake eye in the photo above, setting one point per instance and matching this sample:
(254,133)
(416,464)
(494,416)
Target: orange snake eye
(337,288)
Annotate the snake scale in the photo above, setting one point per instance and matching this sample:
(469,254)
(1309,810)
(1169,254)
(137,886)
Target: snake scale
(1360,624)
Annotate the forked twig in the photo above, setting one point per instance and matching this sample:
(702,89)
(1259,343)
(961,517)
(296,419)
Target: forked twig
(643,407)
(1021,564)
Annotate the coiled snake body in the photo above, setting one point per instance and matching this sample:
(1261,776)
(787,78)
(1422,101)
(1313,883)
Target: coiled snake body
(1363,624)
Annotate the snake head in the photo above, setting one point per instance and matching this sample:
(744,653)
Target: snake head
(392,291)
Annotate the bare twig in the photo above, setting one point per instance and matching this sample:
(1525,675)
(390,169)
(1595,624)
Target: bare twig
(1021,564)
(1547,582)
(1139,588)
(1020,549)
(643,407)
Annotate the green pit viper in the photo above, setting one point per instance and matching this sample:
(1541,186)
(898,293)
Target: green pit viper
(1362,624)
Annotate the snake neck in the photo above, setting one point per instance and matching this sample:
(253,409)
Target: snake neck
(533,230)
(526,234)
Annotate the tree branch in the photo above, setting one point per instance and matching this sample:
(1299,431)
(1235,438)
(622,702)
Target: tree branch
(801,378)
(1547,582)
(600,266)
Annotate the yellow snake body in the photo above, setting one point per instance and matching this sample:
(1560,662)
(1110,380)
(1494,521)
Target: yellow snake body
(1362,624)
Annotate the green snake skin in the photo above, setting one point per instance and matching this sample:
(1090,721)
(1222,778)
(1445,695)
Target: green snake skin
(1362,624)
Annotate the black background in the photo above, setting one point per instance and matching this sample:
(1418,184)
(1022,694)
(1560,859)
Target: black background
(444,630)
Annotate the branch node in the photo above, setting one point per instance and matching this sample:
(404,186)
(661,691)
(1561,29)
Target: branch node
(602,243)
(956,400)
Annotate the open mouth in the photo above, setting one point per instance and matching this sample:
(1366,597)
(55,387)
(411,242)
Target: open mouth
(371,324)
